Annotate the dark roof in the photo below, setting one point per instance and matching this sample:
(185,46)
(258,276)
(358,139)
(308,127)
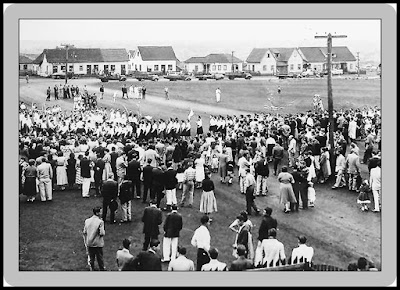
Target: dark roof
(157,53)
(342,53)
(318,54)
(196,59)
(256,54)
(214,58)
(23,59)
(79,55)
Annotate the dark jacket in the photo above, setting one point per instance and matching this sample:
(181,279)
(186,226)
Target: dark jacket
(114,156)
(110,189)
(98,168)
(173,224)
(152,218)
(133,170)
(261,168)
(267,223)
(170,180)
(85,168)
(144,261)
(148,174)
(158,179)
(125,191)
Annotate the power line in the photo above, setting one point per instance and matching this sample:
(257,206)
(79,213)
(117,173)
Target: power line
(67,46)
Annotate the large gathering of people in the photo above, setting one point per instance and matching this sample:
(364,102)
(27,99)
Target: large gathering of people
(123,156)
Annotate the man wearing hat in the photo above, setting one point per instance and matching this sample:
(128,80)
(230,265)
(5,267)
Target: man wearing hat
(302,252)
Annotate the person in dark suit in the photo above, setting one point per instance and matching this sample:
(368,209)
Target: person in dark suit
(152,218)
(172,226)
(147,260)
(268,222)
(242,237)
(133,171)
(262,172)
(113,163)
(98,174)
(110,192)
(157,186)
(171,182)
(242,263)
(125,197)
(147,179)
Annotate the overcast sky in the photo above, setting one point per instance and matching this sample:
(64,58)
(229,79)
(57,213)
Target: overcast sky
(201,37)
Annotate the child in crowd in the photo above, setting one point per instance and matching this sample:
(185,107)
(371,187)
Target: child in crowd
(214,163)
(311,194)
(229,170)
(364,196)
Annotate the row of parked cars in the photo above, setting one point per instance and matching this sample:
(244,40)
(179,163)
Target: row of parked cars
(176,76)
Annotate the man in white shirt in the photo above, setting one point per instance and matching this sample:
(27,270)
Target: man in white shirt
(272,250)
(302,253)
(123,255)
(292,150)
(375,183)
(181,263)
(201,240)
(214,264)
(340,170)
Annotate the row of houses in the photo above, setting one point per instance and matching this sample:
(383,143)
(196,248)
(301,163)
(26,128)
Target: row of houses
(162,59)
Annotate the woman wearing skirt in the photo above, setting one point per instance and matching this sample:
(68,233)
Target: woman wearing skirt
(61,171)
(208,203)
(78,179)
(286,190)
(30,173)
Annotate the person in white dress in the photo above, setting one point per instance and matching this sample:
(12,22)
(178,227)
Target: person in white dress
(199,166)
(62,179)
(218,95)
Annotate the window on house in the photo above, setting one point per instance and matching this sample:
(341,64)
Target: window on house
(170,67)
(264,67)
(268,56)
(196,68)
(25,66)
(213,67)
(71,68)
(351,66)
(299,66)
(292,67)
(112,67)
(55,68)
(219,67)
(272,68)
(155,67)
(129,66)
(95,67)
(63,68)
(106,67)
(140,67)
(276,54)
(81,67)
(225,67)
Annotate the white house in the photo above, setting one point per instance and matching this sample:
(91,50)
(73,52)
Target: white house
(214,63)
(81,61)
(273,61)
(152,59)
(316,58)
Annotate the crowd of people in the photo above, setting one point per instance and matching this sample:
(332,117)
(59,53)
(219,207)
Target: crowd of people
(124,156)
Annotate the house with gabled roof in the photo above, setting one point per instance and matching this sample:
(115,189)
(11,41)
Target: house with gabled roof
(25,65)
(316,58)
(90,61)
(275,61)
(152,59)
(214,63)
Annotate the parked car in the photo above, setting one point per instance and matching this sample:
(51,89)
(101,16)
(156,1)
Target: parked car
(307,73)
(215,76)
(145,76)
(112,77)
(178,77)
(337,71)
(239,74)
(61,75)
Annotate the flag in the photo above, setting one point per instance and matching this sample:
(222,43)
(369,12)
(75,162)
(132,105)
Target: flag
(190,114)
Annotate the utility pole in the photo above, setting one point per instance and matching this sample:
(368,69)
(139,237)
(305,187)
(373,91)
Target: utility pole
(330,99)
(358,63)
(232,61)
(67,46)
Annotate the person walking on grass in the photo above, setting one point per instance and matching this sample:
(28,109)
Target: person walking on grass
(201,239)
(152,219)
(208,202)
(172,226)
(93,233)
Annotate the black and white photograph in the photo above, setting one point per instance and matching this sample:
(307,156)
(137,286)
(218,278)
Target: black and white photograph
(200,137)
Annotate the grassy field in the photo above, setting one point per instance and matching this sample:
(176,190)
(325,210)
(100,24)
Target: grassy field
(49,234)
